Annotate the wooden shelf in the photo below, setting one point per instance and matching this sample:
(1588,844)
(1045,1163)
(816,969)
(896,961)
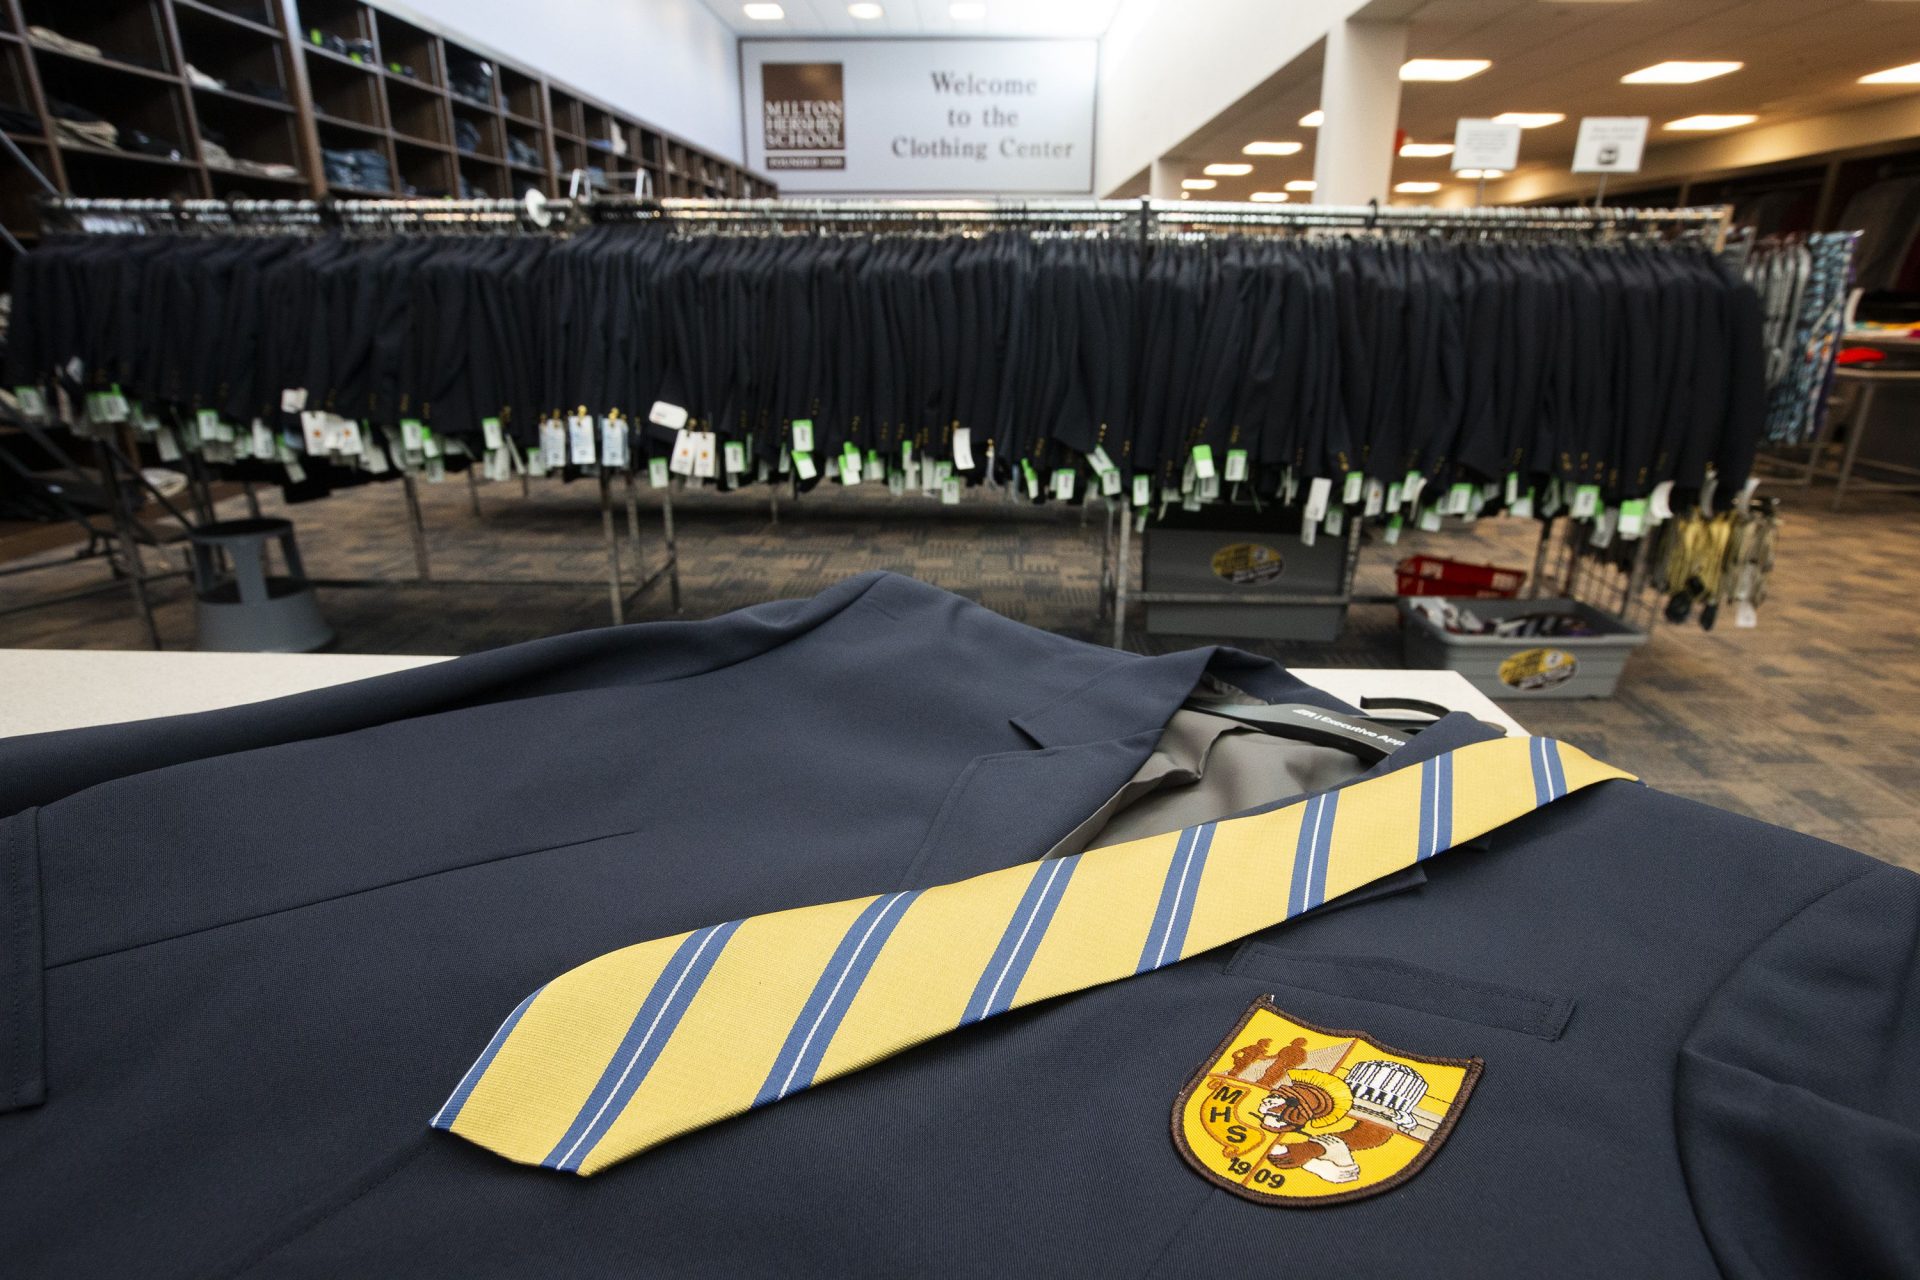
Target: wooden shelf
(337,122)
(246,99)
(215,11)
(110,153)
(315,51)
(105,64)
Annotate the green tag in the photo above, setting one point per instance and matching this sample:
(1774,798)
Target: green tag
(1063,483)
(209,421)
(1394,525)
(906,453)
(850,463)
(1430,519)
(313,34)
(1203,461)
(1099,460)
(735,454)
(1142,489)
(657,472)
(32,403)
(1459,498)
(1633,518)
(1355,485)
(412,434)
(1236,465)
(1513,487)
(1033,480)
(876,469)
(490,431)
(1586,501)
(803,435)
(803,465)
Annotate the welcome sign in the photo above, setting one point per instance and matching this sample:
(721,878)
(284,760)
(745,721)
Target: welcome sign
(921,117)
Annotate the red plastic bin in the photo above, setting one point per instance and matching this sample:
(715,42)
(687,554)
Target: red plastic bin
(1438,576)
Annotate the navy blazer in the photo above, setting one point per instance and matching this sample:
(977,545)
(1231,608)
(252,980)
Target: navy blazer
(247,954)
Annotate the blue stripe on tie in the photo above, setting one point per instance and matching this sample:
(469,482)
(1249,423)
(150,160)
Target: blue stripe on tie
(451,1110)
(997,986)
(1429,809)
(652,1027)
(1176,938)
(1443,823)
(1556,768)
(799,1058)
(1323,849)
(1303,856)
(1155,946)
(1542,785)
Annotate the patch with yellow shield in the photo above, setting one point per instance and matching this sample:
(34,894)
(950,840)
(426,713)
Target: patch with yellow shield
(1287,1113)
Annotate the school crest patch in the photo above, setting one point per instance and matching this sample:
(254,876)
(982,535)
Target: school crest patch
(1287,1113)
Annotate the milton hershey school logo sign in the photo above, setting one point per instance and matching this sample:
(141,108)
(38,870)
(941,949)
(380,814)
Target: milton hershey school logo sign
(803,108)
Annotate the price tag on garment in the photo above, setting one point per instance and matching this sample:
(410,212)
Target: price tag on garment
(1511,491)
(1744,498)
(33,405)
(1459,499)
(345,437)
(293,399)
(706,453)
(553,444)
(832,467)
(1236,469)
(1633,519)
(1706,493)
(429,443)
(950,491)
(1522,506)
(374,459)
(1586,501)
(262,440)
(962,448)
(1355,486)
(1203,461)
(1309,532)
(208,420)
(169,447)
(490,433)
(1142,489)
(1392,535)
(896,483)
(1604,527)
(1337,521)
(1376,499)
(664,414)
(1318,492)
(784,463)
(1660,502)
(803,466)
(1430,519)
(613,442)
(296,474)
(803,435)
(1110,482)
(411,437)
(1410,488)
(850,463)
(657,473)
(580,443)
(1032,478)
(942,472)
(114,406)
(536,460)
(1393,496)
(906,455)
(313,432)
(681,463)
(929,473)
(876,469)
(1063,484)
(1289,486)
(735,457)
(1550,497)
(1102,464)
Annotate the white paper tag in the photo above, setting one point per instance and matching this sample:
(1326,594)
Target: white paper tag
(580,442)
(293,399)
(706,454)
(344,436)
(1586,501)
(1660,502)
(657,473)
(1376,499)
(803,466)
(1356,485)
(734,457)
(671,416)
(1393,498)
(950,491)
(1392,535)
(613,442)
(1337,521)
(1110,482)
(1236,468)
(1410,488)
(1706,494)
(1511,490)
(1142,489)
(313,432)
(410,435)
(490,432)
(681,463)
(33,405)
(1430,519)
(1310,531)
(1522,506)
(262,440)
(803,435)
(553,444)
(1099,460)
(1203,462)
(1603,528)
(1063,483)
(168,447)
(962,451)
(1317,494)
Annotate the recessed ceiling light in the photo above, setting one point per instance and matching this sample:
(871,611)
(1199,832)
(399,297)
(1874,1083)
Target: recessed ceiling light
(1680,72)
(1228,170)
(865,12)
(1198,184)
(1909,74)
(1417,188)
(1270,197)
(1442,68)
(1530,119)
(1270,149)
(1480,173)
(764,12)
(1423,150)
(967,12)
(1706,124)
(1303,184)
(1313,119)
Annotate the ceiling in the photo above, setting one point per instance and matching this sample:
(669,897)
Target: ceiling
(1802,58)
(924,18)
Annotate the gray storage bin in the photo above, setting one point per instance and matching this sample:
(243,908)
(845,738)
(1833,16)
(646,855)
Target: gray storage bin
(1253,560)
(1525,666)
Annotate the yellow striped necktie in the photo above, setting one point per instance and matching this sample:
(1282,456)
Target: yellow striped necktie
(661,1038)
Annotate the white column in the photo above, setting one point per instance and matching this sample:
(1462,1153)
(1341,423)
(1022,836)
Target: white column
(1360,93)
(1164,183)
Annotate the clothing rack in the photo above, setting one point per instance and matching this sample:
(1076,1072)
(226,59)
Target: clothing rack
(1150,220)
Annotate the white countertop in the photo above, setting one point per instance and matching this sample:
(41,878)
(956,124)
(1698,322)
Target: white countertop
(46,689)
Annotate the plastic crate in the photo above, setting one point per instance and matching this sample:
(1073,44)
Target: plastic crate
(1514,667)
(1438,576)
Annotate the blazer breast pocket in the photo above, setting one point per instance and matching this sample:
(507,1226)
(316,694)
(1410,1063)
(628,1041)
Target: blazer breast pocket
(1381,980)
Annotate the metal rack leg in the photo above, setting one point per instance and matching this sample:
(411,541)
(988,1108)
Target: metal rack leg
(773,505)
(613,549)
(633,519)
(1856,431)
(673,547)
(1539,559)
(1122,574)
(417,527)
(473,488)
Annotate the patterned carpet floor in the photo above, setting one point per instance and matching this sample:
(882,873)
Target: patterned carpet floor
(1811,720)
